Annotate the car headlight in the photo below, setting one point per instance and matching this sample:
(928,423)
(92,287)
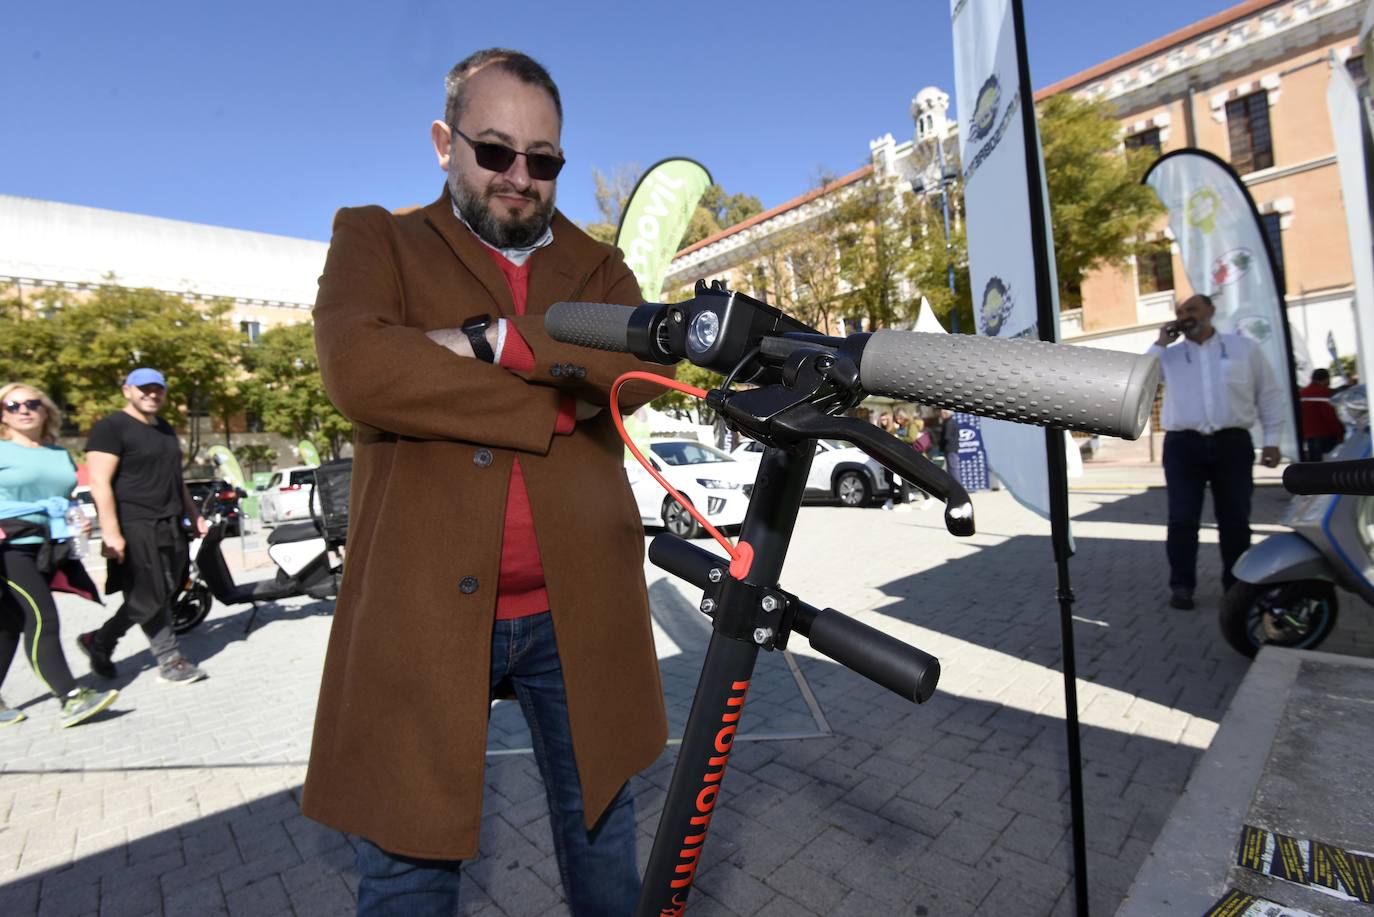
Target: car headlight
(713,484)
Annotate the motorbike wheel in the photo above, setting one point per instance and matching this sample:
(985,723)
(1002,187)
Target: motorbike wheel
(190,608)
(1299,615)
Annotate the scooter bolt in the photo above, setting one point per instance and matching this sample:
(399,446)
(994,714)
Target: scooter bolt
(708,605)
(762,635)
(716,575)
(770,603)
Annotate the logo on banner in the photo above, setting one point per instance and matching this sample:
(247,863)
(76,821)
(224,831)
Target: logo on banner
(996,307)
(1256,327)
(1230,266)
(1201,209)
(985,111)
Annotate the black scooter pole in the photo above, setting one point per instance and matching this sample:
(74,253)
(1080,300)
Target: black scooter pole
(725,675)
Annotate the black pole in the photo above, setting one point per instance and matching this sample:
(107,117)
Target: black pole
(1054,455)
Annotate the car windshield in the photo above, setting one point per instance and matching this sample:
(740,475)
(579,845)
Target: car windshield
(688,453)
(834,443)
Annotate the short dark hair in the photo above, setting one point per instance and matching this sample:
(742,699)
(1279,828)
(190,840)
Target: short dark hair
(521,66)
(1320,375)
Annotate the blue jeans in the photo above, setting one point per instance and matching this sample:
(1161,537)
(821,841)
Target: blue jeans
(597,867)
(1225,460)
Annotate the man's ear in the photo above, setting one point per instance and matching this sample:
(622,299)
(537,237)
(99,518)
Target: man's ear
(443,142)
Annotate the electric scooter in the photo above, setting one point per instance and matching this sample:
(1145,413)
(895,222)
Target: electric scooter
(308,556)
(803,380)
(1285,594)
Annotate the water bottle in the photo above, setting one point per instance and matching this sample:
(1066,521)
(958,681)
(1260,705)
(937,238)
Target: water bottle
(76,522)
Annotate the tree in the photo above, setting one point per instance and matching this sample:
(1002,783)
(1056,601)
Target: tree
(286,390)
(30,341)
(932,257)
(1100,211)
(102,337)
(873,225)
(612,194)
(718,210)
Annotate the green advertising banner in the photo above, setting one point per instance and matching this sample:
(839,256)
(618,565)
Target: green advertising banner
(655,219)
(309,454)
(227,464)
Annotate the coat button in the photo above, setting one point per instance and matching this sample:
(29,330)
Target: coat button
(580,372)
(481,458)
(467,585)
(556,369)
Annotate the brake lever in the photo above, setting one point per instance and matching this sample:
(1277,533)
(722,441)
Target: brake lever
(804,421)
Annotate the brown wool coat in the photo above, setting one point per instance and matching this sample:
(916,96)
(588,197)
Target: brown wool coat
(400,732)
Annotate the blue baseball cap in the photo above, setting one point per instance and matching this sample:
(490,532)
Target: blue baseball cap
(145,376)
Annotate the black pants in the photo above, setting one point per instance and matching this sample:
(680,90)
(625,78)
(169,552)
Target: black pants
(154,566)
(27,608)
(1225,460)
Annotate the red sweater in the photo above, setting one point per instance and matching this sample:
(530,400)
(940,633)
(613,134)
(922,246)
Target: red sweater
(520,588)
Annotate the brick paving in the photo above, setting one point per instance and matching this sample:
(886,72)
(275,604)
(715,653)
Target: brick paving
(183,799)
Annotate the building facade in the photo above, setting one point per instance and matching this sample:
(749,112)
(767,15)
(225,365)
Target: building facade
(1248,84)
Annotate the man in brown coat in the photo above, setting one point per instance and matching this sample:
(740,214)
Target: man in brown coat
(494,545)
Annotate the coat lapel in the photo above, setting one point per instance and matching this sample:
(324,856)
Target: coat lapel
(474,255)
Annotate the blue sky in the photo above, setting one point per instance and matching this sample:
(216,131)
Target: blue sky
(269,116)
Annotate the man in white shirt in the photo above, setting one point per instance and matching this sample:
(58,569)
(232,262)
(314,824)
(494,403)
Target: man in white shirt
(1216,387)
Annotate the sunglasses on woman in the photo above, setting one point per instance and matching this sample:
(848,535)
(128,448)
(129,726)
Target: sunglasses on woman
(497,157)
(33,404)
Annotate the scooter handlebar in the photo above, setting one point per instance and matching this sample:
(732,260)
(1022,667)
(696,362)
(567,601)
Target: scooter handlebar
(599,325)
(1037,382)
(1355,478)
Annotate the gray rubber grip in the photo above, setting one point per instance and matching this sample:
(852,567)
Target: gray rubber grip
(1036,382)
(600,325)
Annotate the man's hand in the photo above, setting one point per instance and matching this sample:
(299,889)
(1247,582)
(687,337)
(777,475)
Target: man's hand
(1269,456)
(1168,333)
(201,526)
(112,546)
(455,340)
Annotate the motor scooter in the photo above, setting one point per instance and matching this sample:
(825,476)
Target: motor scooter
(1285,594)
(308,556)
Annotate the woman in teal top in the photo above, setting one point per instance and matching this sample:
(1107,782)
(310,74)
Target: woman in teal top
(34,469)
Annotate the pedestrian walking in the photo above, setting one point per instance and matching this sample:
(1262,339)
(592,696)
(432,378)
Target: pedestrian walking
(141,498)
(497,549)
(1216,387)
(37,478)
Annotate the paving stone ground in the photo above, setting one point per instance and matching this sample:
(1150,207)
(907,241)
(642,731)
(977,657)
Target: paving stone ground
(183,799)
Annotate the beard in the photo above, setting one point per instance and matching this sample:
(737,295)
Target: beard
(498,230)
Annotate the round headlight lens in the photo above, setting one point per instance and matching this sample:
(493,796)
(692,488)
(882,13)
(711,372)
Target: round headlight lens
(702,333)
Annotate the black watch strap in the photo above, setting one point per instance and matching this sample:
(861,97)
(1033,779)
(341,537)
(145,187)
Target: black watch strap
(476,330)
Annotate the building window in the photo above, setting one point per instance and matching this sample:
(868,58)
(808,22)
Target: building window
(252,422)
(1273,234)
(1154,269)
(1145,140)
(1247,122)
(251,330)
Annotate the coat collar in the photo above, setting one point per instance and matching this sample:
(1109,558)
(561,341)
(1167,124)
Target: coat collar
(557,271)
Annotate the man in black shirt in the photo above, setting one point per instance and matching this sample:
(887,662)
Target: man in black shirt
(135,464)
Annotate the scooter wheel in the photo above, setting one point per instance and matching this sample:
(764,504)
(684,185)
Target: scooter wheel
(1298,615)
(190,608)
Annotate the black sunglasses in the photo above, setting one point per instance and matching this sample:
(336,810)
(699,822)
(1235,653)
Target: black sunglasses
(497,157)
(33,404)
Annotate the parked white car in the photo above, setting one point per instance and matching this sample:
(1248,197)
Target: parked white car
(839,471)
(716,484)
(286,495)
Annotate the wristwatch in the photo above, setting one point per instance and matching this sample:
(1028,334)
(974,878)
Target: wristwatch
(476,330)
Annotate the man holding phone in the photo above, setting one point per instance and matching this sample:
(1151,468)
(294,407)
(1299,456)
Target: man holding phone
(1216,387)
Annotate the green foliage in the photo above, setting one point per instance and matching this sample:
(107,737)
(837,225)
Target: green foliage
(286,391)
(718,210)
(253,456)
(30,341)
(680,404)
(931,259)
(873,226)
(1100,211)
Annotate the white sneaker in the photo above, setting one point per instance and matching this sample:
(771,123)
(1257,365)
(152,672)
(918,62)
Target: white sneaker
(887,504)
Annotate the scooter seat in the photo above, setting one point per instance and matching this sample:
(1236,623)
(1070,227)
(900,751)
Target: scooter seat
(292,532)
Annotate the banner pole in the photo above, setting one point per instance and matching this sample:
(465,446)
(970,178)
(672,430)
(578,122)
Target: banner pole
(1056,463)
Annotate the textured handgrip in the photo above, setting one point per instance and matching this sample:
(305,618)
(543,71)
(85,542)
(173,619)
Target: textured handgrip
(1036,382)
(601,325)
(1354,478)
